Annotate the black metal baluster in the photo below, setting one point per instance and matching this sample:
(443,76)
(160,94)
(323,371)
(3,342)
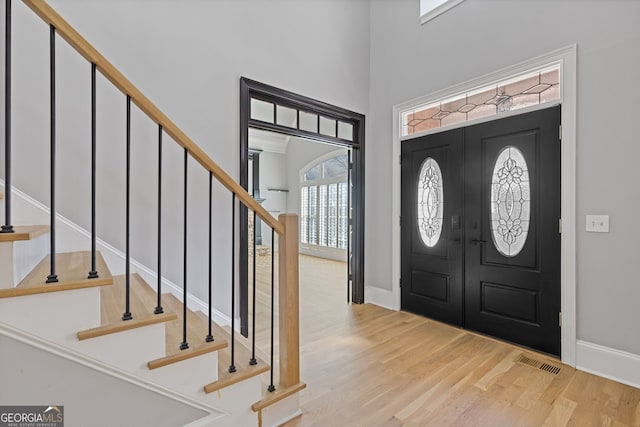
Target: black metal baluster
(93,274)
(7,227)
(158,309)
(127,275)
(209,337)
(253,360)
(232,367)
(184,345)
(271,387)
(52,277)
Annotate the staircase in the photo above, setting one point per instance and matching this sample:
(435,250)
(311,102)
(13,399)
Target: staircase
(74,335)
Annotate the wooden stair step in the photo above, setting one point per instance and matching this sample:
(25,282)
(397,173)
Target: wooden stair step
(125,325)
(197,329)
(72,269)
(199,350)
(277,396)
(242,356)
(112,303)
(24,232)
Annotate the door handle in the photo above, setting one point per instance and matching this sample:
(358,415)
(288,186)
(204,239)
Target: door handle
(476,241)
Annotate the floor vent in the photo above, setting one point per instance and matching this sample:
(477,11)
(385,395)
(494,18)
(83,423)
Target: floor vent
(543,366)
(552,369)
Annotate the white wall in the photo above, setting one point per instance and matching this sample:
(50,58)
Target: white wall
(480,36)
(187,56)
(31,375)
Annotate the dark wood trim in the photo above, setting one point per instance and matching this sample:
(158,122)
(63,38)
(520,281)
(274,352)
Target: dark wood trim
(252,89)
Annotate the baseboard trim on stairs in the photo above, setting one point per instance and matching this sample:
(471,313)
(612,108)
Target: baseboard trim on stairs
(194,303)
(59,350)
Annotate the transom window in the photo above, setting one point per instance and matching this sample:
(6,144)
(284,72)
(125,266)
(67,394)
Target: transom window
(324,203)
(534,88)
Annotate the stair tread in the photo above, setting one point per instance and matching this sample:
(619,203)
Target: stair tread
(24,232)
(197,328)
(198,350)
(138,322)
(72,269)
(242,356)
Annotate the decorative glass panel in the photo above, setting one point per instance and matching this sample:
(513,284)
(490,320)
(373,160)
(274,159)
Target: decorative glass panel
(261,110)
(520,92)
(510,202)
(430,202)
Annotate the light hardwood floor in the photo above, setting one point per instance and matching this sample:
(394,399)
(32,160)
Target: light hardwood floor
(369,366)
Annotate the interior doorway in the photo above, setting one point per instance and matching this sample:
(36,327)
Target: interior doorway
(266,110)
(480,235)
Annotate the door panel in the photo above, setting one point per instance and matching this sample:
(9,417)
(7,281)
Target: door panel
(514,296)
(432,263)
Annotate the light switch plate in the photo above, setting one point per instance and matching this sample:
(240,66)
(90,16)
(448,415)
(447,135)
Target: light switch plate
(598,223)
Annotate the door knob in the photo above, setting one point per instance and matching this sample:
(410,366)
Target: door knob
(476,241)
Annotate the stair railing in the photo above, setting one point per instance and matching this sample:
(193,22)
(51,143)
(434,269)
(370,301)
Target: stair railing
(286,227)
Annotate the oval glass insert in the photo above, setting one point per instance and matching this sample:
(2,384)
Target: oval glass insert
(430,202)
(510,202)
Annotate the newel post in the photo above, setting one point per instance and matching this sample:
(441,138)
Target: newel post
(289,312)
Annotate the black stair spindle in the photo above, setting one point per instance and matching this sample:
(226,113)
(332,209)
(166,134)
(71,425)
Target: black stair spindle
(232,366)
(127,275)
(209,337)
(271,387)
(159,309)
(93,274)
(52,277)
(184,345)
(253,360)
(7,227)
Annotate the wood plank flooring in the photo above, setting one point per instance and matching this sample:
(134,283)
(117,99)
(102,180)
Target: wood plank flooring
(368,366)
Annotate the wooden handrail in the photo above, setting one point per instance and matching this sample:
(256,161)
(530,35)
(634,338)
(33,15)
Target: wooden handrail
(84,48)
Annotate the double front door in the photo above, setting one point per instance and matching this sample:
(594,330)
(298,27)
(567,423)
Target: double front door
(480,228)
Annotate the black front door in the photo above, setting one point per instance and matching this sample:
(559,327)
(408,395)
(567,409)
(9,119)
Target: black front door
(504,242)
(431,212)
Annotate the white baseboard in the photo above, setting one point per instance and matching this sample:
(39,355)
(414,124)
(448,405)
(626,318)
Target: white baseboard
(382,297)
(607,362)
(71,236)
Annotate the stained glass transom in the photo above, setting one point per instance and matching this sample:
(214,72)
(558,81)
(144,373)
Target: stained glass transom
(510,202)
(530,89)
(430,202)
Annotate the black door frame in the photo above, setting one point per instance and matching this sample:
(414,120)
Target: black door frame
(251,89)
